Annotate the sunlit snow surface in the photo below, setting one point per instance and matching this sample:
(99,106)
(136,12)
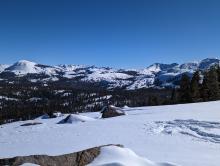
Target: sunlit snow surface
(117,156)
(186,135)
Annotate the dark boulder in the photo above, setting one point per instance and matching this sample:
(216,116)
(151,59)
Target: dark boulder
(31,124)
(111,111)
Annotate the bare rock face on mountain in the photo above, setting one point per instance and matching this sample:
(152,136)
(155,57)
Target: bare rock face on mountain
(81,158)
(111,111)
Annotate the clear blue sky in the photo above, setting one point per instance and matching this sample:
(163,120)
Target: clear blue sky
(117,33)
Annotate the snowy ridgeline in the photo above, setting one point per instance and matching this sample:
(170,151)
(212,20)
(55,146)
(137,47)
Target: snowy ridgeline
(165,75)
(186,135)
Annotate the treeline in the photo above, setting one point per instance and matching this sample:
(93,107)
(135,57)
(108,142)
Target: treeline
(203,86)
(23,101)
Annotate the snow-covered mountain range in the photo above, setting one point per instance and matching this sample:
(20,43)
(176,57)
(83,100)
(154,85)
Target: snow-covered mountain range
(156,75)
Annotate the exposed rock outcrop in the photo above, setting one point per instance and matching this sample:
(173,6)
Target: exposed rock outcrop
(111,111)
(31,124)
(74,118)
(81,158)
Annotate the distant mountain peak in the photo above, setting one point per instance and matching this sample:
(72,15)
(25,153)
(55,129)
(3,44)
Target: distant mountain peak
(22,67)
(206,63)
(25,62)
(164,74)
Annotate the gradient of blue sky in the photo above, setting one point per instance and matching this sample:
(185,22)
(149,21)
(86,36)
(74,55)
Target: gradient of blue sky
(117,33)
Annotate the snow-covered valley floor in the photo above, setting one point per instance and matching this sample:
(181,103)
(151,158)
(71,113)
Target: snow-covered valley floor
(186,135)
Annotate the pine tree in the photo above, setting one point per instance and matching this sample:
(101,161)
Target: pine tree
(173,96)
(152,101)
(210,86)
(213,84)
(184,91)
(195,87)
(218,73)
(205,90)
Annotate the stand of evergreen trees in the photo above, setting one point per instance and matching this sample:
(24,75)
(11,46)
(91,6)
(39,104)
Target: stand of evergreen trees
(24,100)
(198,88)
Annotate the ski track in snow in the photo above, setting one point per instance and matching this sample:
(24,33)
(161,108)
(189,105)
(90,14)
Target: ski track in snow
(202,130)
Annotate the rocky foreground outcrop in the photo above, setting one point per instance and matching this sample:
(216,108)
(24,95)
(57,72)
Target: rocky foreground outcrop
(81,158)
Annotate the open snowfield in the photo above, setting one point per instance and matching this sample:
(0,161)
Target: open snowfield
(186,135)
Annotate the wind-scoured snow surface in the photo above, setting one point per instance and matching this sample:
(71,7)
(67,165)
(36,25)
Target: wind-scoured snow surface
(158,73)
(186,135)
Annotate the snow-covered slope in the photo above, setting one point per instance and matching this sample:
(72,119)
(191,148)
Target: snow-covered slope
(155,75)
(23,67)
(3,67)
(118,156)
(186,135)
